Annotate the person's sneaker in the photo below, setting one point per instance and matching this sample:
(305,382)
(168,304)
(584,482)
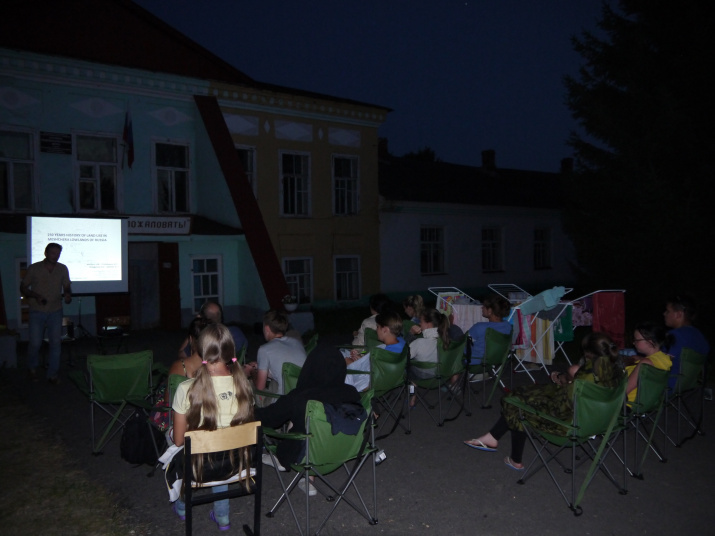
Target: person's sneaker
(227,526)
(311,489)
(267,460)
(54,381)
(179,514)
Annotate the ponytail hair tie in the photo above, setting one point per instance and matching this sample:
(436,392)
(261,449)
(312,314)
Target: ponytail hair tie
(234,359)
(205,362)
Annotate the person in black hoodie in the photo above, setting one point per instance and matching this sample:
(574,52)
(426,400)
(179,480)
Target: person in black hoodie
(322,378)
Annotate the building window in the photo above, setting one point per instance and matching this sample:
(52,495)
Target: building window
(299,276)
(345,185)
(347,278)
(492,251)
(97,187)
(431,250)
(172,177)
(207,277)
(248,159)
(295,188)
(542,249)
(16,171)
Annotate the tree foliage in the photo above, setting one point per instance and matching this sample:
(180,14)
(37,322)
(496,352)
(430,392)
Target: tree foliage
(641,199)
(426,154)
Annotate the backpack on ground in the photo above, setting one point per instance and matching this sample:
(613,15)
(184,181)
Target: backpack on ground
(140,442)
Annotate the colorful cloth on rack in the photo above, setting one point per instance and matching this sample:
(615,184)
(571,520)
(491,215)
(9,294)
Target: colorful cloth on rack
(563,325)
(609,315)
(543,301)
(582,313)
(535,339)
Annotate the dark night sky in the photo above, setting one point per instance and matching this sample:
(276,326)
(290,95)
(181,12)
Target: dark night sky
(461,76)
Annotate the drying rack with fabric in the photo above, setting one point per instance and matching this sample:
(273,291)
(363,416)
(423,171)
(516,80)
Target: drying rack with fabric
(534,319)
(604,310)
(466,310)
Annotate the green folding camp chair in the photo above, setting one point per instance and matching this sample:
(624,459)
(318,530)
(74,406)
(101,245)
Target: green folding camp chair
(117,385)
(311,344)
(687,399)
(494,363)
(389,384)
(644,415)
(325,453)
(429,392)
(371,340)
(597,418)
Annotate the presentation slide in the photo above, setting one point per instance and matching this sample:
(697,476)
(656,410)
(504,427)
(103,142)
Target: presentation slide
(94,250)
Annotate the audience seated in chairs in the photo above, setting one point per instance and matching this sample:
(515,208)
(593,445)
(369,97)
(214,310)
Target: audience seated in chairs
(434,327)
(649,339)
(598,365)
(389,333)
(378,304)
(278,349)
(219,396)
(679,315)
(213,312)
(495,309)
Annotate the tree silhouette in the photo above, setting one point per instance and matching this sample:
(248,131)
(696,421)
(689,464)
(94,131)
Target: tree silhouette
(641,197)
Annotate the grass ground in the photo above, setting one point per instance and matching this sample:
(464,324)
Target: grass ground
(41,483)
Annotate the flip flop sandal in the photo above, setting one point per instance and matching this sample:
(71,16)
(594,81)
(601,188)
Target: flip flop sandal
(480,446)
(510,463)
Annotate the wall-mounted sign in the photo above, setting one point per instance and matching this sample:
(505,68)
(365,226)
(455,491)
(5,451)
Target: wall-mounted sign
(157,225)
(55,143)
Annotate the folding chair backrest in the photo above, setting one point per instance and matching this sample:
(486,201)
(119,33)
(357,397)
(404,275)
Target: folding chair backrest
(652,383)
(290,372)
(595,407)
(231,437)
(387,369)
(497,346)
(114,378)
(692,365)
(371,340)
(242,355)
(173,382)
(327,452)
(312,343)
(451,360)
(407,326)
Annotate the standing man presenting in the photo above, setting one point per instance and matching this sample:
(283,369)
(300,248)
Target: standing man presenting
(43,286)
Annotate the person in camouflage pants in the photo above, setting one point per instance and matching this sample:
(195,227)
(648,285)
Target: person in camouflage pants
(599,364)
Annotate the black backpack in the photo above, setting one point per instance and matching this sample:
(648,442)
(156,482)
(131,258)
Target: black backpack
(140,441)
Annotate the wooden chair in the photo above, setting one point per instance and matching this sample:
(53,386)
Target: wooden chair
(200,442)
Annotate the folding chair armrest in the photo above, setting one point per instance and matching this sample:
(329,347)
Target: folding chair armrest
(526,408)
(275,434)
(358,372)
(268,394)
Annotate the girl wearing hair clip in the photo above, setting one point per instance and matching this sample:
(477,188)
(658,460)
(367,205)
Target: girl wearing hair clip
(218,396)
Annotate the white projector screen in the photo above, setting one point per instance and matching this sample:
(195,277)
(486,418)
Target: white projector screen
(94,250)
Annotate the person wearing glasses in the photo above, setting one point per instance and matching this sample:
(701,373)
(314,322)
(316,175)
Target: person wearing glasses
(649,340)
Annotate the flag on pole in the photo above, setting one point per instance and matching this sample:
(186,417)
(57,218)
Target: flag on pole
(128,138)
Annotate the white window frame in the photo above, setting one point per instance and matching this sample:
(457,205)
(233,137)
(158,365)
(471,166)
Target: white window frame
(542,248)
(492,249)
(346,190)
(11,162)
(432,247)
(358,273)
(306,189)
(98,188)
(200,299)
(155,168)
(251,174)
(298,281)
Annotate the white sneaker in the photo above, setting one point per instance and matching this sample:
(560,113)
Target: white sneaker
(311,489)
(267,460)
